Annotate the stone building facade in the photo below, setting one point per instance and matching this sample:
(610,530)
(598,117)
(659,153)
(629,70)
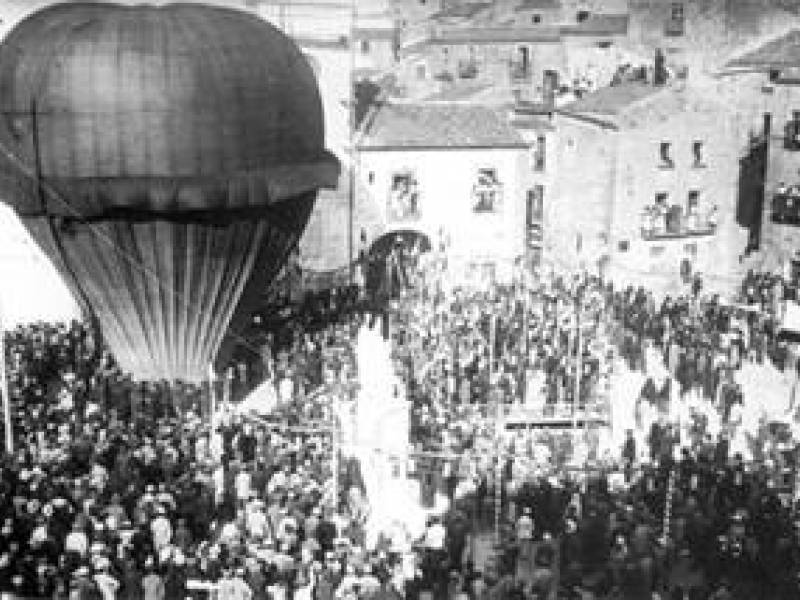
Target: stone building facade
(646,188)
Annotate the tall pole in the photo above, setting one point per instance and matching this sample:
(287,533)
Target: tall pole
(335,434)
(212,397)
(498,475)
(578,360)
(353,159)
(9,430)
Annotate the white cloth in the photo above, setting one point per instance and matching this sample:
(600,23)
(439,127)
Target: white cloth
(435,537)
(242,484)
(162,532)
(76,541)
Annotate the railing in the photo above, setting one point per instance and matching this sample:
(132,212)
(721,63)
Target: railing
(674,224)
(791,140)
(786,207)
(548,415)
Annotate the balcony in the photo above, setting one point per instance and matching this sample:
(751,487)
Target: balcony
(534,235)
(791,140)
(786,206)
(662,223)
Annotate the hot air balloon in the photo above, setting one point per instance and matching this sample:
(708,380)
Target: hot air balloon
(167,160)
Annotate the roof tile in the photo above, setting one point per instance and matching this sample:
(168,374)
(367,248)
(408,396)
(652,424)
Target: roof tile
(781,52)
(440,125)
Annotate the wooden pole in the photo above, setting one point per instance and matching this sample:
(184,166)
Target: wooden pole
(8,428)
(352,179)
(212,397)
(668,504)
(498,488)
(335,435)
(578,360)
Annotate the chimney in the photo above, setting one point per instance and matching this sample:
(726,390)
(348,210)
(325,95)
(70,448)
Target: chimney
(660,69)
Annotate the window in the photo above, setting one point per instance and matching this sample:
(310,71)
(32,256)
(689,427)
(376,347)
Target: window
(536,19)
(365,46)
(421,72)
(693,202)
(404,199)
(624,246)
(676,20)
(698,154)
(371,177)
(487,191)
(665,155)
(690,249)
(540,153)
(656,251)
(534,206)
(582,16)
(661,199)
(792,141)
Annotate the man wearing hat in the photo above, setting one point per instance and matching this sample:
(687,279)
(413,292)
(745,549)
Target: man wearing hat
(82,587)
(161,528)
(106,584)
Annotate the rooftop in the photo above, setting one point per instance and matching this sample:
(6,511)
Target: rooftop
(538,5)
(612,100)
(460,91)
(495,35)
(461,11)
(439,125)
(781,52)
(637,105)
(599,24)
(374,33)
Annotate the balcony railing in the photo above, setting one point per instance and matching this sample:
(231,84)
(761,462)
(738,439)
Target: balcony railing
(791,140)
(662,224)
(786,206)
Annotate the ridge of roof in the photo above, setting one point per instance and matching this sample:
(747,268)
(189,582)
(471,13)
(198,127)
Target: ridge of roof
(613,99)
(781,51)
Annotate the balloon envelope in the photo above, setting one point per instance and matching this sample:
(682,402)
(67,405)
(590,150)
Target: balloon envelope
(167,160)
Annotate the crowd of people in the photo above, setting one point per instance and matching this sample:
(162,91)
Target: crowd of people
(725,512)
(122,490)
(129,490)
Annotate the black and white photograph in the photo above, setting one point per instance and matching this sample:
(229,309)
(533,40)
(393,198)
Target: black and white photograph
(399,299)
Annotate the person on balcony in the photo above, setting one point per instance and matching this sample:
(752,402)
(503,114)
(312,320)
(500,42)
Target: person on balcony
(648,221)
(693,218)
(713,217)
(660,212)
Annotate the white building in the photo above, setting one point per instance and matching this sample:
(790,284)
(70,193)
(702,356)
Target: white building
(451,170)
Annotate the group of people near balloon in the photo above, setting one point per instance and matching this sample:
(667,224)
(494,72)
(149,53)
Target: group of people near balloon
(115,490)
